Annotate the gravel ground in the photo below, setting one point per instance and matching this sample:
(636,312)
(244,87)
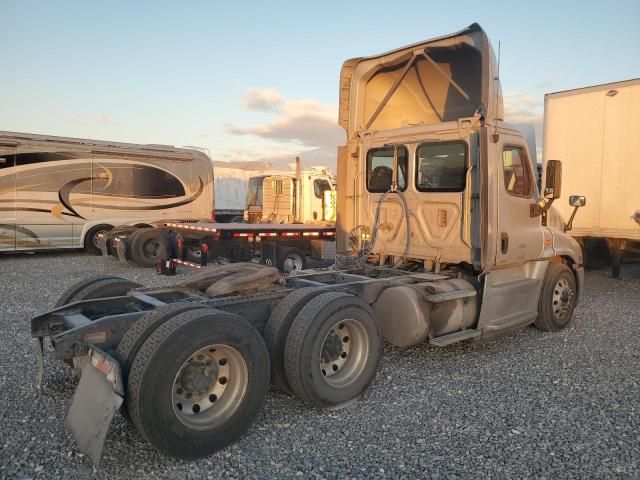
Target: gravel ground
(532,404)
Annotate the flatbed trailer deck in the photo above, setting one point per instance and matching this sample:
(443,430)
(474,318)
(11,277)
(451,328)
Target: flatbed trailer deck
(195,244)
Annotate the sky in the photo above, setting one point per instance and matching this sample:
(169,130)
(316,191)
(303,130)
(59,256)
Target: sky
(259,80)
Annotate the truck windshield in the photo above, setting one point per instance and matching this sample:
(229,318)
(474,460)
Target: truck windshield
(254,191)
(320,185)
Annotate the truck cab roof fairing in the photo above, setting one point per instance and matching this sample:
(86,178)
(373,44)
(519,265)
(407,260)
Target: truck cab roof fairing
(434,81)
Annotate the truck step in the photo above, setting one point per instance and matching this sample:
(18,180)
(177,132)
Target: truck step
(448,296)
(454,337)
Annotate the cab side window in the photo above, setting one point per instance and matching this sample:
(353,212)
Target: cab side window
(320,185)
(516,173)
(380,169)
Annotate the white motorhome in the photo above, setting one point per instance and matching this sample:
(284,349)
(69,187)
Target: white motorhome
(58,192)
(593,131)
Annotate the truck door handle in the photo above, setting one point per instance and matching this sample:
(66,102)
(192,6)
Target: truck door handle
(504,242)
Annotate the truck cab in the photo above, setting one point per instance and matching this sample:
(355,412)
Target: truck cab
(432,174)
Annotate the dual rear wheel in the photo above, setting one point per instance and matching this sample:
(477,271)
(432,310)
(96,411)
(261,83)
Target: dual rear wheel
(324,346)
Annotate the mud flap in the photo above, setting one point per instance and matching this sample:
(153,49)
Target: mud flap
(39,361)
(121,250)
(95,402)
(102,244)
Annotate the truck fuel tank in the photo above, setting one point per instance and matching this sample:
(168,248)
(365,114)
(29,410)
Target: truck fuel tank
(409,314)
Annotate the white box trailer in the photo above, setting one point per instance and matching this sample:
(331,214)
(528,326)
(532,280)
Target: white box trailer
(594,131)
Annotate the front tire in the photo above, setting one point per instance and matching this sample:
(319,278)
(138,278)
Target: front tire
(198,382)
(333,350)
(557,299)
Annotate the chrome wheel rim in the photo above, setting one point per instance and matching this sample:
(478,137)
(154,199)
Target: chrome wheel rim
(292,263)
(344,353)
(98,236)
(209,387)
(562,299)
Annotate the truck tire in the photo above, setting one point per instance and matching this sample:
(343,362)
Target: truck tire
(91,238)
(78,291)
(277,330)
(557,298)
(291,259)
(333,350)
(136,335)
(147,246)
(198,382)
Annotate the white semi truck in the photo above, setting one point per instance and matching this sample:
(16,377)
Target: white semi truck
(442,237)
(594,131)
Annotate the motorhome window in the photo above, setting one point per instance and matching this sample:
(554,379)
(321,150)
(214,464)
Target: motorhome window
(41,157)
(277,187)
(320,185)
(141,181)
(441,167)
(517,177)
(380,169)
(6,161)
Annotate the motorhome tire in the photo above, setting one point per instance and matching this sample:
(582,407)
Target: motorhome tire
(91,239)
(69,295)
(332,350)
(291,259)
(277,330)
(147,246)
(557,299)
(198,382)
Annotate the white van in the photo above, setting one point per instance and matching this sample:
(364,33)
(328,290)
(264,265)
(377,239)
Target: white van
(58,192)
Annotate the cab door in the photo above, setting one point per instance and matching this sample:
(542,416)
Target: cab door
(519,236)
(7,198)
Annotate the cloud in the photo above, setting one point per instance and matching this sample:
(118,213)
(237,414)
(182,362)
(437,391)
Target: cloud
(263,100)
(296,126)
(522,108)
(85,120)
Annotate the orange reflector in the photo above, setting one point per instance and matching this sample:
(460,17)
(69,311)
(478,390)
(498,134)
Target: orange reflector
(329,234)
(290,234)
(267,234)
(242,234)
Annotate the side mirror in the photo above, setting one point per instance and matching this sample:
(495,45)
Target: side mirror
(553,183)
(577,201)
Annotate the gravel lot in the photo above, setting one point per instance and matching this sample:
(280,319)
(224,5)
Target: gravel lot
(532,404)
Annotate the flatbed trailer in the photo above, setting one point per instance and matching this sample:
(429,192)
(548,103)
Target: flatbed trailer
(195,244)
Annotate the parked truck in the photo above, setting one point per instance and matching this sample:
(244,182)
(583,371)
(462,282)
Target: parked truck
(593,130)
(290,217)
(307,196)
(442,237)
